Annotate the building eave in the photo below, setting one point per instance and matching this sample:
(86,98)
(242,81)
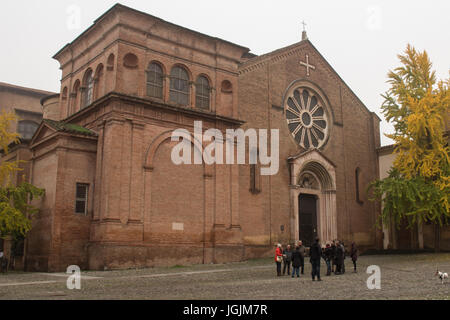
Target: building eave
(153,104)
(24,90)
(119,6)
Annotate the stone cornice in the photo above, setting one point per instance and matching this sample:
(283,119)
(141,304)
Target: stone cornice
(152,104)
(23,90)
(384,150)
(119,7)
(274,56)
(148,34)
(58,134)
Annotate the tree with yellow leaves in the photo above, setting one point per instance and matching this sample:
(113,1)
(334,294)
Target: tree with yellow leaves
(6,138)
(418,186)
(15,208)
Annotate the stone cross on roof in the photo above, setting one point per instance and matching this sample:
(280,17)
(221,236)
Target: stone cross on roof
(304,36)
(304,25)
(307,65)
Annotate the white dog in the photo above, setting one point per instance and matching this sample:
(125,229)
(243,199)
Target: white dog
(441,275)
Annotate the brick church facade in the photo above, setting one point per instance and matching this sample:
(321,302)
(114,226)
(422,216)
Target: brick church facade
(114,198)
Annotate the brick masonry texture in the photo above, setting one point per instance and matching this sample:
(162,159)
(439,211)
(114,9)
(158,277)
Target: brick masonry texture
(145,211)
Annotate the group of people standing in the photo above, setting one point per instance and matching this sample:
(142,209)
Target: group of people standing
(287,257)
(333,253)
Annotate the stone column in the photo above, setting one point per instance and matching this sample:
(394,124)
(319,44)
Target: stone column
(208,207)
(112,167)
(137,172)
(147,203)
(234,186)
(98,172)
(124,173)
(330,213)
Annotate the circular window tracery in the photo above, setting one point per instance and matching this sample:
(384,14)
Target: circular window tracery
(307,118)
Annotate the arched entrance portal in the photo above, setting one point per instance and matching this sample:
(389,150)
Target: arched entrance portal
(307,218)
(313,198)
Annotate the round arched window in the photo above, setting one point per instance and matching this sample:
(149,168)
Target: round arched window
(307,117)
(202,90)
(155,80)
(179,86)
(88,88)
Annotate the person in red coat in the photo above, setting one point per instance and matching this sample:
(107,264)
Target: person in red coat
(279,258)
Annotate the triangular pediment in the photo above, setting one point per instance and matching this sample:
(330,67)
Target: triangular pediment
(49,127)
(314,154)
(43,131)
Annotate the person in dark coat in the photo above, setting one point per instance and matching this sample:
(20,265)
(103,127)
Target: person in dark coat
(333,256)
(354,255)
(315,254)
(343,257)
(287,258)
(339,257)
(328,257)
(302,250)
(296,262)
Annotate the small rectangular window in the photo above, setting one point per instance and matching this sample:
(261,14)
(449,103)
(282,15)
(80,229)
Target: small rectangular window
(357,182)
(81,198)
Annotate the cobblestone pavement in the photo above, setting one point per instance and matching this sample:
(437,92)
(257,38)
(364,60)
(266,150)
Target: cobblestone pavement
(402,277)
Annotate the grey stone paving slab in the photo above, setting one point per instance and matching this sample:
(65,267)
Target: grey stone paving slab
(402,277)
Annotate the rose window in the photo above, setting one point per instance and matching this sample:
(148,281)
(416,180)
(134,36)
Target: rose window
(306,118)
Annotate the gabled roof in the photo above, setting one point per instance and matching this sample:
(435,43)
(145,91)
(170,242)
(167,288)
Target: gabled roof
(281,53)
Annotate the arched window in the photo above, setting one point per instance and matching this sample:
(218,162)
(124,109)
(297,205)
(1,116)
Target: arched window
(110,62)
(202,91)
(74,96)
(98,82)
(155,81)
(179,86)
(88,88)
(64,93)
(26,129)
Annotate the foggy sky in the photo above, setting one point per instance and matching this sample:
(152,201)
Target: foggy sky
(360,39)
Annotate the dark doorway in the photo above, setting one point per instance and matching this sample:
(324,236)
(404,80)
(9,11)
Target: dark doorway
(307,218)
